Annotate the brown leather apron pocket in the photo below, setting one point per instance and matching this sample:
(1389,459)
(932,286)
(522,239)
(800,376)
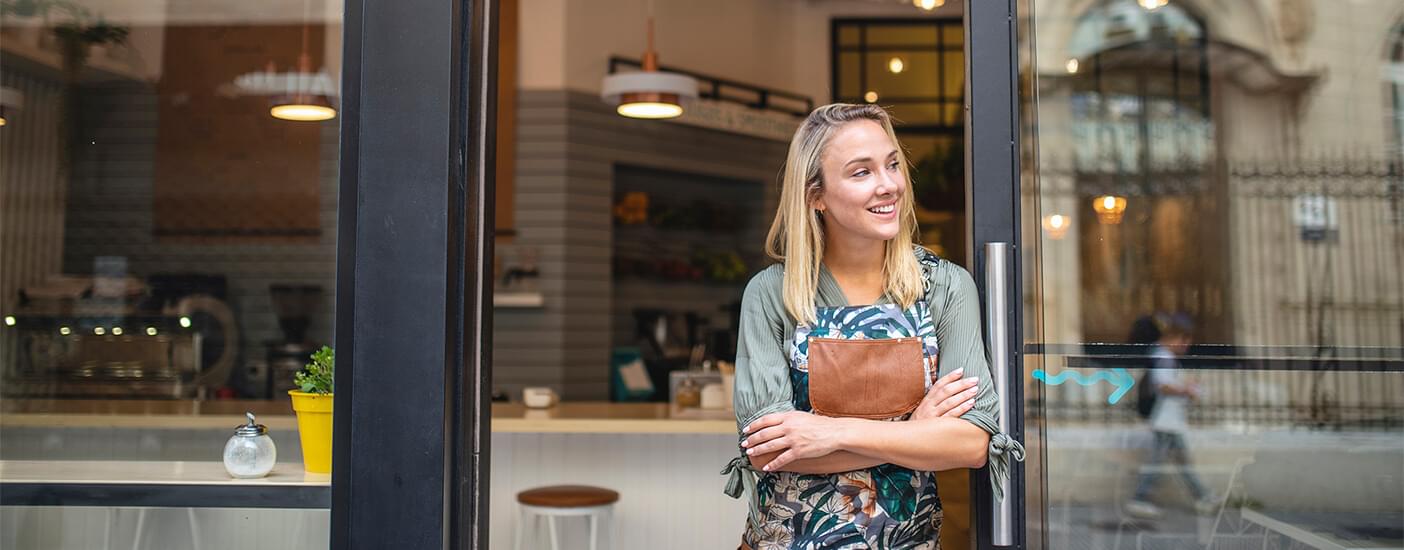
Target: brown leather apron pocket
(875,379)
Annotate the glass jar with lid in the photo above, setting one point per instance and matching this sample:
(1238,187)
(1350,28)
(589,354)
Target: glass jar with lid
(250,453)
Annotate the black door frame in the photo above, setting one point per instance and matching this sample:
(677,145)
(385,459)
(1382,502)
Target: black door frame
(992,195)
(414,249)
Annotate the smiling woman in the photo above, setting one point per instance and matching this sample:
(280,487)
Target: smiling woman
(860,367)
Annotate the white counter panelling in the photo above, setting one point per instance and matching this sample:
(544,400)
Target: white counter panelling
(669,485)
(670,488)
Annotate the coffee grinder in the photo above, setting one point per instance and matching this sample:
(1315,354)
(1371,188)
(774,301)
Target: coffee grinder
(293,304)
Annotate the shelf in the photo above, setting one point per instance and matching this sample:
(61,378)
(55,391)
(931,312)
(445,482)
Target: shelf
(98,67)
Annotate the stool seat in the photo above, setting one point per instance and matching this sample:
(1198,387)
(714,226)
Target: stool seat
(567,496)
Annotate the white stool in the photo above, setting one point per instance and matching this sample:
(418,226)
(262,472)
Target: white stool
(549,503)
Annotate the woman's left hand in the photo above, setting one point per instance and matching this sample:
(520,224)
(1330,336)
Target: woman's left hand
(798,434)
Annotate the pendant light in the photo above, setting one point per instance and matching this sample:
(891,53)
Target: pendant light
(1109,209)
(1056,225)
(649,93)
(11,100)
(303,101)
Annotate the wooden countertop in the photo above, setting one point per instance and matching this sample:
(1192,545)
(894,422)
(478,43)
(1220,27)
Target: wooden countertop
(569,417)
(604,417)
(150,473)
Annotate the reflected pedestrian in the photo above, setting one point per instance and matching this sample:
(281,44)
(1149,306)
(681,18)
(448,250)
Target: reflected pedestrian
(1169,337)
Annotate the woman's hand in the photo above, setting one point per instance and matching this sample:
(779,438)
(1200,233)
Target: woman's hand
(950,396)
(798,434)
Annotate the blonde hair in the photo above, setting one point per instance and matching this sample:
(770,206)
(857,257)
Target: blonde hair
(796,236)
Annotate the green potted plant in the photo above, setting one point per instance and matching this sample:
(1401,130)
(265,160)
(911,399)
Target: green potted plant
(78,39)
(312,402)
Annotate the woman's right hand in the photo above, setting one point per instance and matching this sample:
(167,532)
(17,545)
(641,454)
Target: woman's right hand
(950,396)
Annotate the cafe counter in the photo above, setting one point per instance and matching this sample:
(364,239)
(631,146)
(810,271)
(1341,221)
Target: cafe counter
(568,417)
(666,464)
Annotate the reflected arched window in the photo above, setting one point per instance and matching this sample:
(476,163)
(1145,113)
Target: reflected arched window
(1140,99)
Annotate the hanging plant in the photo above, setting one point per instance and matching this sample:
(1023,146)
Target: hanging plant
(77,35)
(77,40)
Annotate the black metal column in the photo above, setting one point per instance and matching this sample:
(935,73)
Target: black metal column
(412,337)
(992,125)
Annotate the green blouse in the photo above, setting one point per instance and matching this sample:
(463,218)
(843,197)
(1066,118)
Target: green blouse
(762,364)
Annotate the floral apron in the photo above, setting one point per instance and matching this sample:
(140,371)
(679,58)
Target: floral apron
(880,508)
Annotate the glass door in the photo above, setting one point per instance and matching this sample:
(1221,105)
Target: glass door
(1210,304)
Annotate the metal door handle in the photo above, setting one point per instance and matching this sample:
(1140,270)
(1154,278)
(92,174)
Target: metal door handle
(997,331)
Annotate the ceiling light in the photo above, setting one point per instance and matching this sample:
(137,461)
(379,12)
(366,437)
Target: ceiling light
(895,65)
(928,5)
(649,93)
(870,97)
(1109,209)
(303,103)
(302,94)
(1056,225)
(1072,66)
(303,108)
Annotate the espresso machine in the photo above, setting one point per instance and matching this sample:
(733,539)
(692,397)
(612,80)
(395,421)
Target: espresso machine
(118,337)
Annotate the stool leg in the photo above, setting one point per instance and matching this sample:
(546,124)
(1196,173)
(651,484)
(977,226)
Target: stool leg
(194,530)
(594,531)
(555,537)
(107,529)
(141,522)
(521,529)
(609,528)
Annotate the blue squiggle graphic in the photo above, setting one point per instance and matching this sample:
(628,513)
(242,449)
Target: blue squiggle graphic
(1117,377)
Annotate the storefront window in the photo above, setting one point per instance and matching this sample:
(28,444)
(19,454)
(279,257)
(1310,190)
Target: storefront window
(168,227)
(1213,309)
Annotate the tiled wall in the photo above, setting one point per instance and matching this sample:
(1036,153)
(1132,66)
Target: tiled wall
(569,143)
(32,194)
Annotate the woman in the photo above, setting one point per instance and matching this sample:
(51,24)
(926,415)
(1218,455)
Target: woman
(852,302)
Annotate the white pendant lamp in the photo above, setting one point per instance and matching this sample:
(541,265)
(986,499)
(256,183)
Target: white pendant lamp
(300,95)
(303,102)
(649,93)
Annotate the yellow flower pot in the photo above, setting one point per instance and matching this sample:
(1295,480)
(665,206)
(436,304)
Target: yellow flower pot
(314,428)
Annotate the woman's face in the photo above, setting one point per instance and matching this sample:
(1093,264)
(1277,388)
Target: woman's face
(863,183)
